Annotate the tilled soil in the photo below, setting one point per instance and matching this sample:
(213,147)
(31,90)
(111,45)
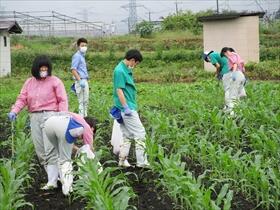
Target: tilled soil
(148,196)
(51,199)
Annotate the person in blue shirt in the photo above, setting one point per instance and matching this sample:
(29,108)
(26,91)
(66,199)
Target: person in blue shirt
(80,74)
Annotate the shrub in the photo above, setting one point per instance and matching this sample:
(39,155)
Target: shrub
(145,29)
(185,21)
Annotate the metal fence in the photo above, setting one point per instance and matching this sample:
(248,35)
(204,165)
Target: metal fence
(51,23)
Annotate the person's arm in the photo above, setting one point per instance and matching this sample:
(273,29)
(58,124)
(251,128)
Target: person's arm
(120,83)
(234,67)
(234,61)
(121,96)
(74,66)
(21,101)
(61,96)
(218,68)
(75,74)
(75,149)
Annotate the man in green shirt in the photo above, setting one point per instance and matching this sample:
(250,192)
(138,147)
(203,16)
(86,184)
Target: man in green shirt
(229,79)
(124,95)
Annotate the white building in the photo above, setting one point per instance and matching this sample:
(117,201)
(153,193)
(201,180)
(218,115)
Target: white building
(7,28)
(238,30)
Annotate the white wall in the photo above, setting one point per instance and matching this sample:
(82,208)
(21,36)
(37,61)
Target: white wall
(5,55)
(242,34)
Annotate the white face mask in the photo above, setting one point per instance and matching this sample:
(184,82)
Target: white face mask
(43,74)
(83,49)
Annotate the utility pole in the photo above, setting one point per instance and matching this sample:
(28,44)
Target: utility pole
(217,2)
(149,16)
(1,8)
(176,6)
(149,12)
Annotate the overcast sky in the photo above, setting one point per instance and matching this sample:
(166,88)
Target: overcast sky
(111,11)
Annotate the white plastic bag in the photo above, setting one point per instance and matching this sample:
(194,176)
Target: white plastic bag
(117,138)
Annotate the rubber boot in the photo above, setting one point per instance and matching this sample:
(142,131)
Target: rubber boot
(53,172)
(66,177)
(141,156)
(124,151)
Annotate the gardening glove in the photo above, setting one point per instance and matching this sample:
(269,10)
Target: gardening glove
(82,83)
(12,116)
(127,110)
(234,75)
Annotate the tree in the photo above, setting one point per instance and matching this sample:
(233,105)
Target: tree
(185,21)
(145,29)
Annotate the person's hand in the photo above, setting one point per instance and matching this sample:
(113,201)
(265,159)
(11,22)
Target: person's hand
(82,83)
(127,110)
(234,75)
(12,116)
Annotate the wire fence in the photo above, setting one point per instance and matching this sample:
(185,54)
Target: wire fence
(51,23)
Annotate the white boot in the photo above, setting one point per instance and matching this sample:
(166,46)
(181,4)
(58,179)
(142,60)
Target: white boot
(66,177)
(124,151)
(141,156)
(124,163)
(52,171)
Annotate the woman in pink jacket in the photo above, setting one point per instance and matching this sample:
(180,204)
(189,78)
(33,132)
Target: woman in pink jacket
(237,66)
(43,95)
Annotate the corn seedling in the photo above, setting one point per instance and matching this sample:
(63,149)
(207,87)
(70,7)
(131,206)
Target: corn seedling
(105,190)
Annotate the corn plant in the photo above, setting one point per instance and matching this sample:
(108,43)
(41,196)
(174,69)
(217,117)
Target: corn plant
(181,185)
(108,190)
(14,176)
(11,185)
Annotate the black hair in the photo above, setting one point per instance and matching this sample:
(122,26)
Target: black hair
(224,50)
(80,40)
(92,122)
(39,61)
(231,49)
(134,54)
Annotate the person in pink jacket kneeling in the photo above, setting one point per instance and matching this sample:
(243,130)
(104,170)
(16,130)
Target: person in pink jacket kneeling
(43,95)
(63,130)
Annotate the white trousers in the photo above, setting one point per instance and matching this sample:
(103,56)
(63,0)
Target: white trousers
(41,142)
(55,129)
(233,89)
(133,129)
(83,97)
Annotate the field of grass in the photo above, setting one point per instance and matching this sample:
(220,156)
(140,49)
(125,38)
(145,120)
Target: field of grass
(200,158)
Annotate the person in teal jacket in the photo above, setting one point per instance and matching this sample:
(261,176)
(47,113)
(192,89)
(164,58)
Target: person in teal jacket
(124,95)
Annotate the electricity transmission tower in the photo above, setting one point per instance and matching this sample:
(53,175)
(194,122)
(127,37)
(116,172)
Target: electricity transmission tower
(132,18)
(132,15)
